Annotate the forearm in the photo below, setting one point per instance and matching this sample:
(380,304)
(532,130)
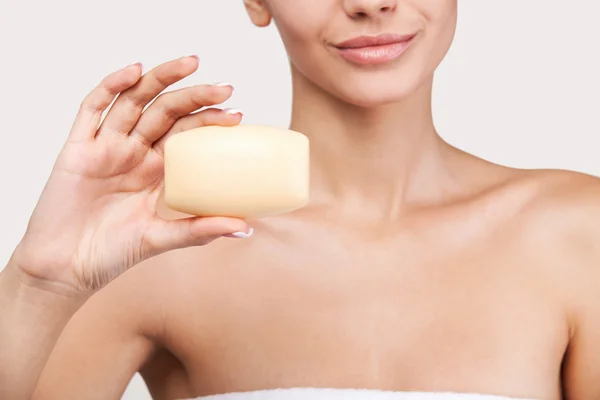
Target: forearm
(31,320)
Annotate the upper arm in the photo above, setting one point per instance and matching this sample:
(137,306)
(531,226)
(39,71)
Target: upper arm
(581,367)
(581,374)
(105,343)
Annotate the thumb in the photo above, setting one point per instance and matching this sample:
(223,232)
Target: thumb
(194,231)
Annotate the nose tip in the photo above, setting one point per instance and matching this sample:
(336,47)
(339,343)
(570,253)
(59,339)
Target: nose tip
(369,8)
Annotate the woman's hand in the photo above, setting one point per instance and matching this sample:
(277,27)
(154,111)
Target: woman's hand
(97,215)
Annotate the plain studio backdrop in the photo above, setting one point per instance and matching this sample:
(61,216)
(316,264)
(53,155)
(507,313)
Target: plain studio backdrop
(520,86)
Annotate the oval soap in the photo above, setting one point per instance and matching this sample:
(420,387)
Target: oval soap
(243,171)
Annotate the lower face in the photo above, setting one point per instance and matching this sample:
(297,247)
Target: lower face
(314,32)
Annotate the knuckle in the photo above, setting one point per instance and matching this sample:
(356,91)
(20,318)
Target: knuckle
(170,111)
(107,86)
(99,97)
(167,102)
(87,103)
(201,95)
(162,80)
(91,103)
(136,99)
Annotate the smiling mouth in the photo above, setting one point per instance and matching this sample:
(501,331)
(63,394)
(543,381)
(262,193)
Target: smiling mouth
(372,50)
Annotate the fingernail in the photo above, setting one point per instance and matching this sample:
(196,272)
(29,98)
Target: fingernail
(195,56)
(232,111)
(135,63)
(223,84)
(241,235)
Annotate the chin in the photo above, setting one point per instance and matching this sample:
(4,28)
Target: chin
(366,94)
(371,100)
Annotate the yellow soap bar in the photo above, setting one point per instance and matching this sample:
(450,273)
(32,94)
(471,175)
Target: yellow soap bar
(243,171)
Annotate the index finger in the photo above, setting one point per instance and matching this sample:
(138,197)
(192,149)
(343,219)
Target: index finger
(128,107)
(97,101)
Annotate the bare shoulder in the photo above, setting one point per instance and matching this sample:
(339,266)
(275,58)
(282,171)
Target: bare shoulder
(565,204)
(550,219)
(567,189)
(552,226)
(563,215)
(554,211)
(559,222)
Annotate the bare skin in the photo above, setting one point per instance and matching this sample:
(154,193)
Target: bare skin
(97,216)
(487,293)
(416,266)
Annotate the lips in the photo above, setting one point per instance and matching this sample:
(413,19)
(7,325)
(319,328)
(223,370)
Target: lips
(372,50)
(372,41)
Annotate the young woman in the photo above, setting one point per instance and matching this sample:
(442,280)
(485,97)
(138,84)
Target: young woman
(416,271)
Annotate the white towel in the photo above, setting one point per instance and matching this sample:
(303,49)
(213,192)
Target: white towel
(349,394)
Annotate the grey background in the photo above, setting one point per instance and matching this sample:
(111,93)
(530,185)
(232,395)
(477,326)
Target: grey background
(520,85)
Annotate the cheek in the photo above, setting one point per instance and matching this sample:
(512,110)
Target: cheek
(300,24)
(440,23)
(434,10)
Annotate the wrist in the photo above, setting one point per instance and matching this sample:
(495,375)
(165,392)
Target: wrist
(28,288)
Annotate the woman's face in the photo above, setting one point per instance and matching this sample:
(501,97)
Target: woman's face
(418,34)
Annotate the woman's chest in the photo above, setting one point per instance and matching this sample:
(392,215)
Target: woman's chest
(459,323)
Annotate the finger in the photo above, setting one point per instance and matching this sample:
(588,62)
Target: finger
(162,114)
(97,101)
(127,108)
(209,116)
(165,235)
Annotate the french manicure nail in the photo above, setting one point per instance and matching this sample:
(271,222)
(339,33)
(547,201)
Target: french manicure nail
(242,235)
(232,111)
(223,84)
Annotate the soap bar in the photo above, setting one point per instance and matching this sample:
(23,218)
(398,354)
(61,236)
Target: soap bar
(242,171)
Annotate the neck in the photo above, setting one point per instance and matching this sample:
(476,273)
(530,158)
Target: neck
(377,159)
